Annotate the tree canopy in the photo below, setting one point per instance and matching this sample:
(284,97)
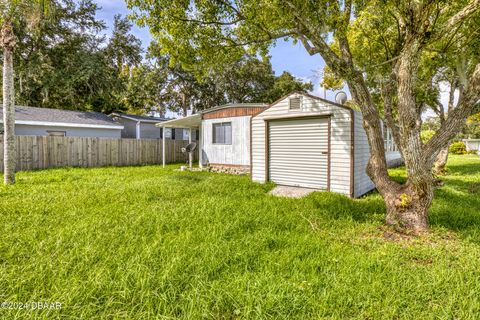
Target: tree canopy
(67,62)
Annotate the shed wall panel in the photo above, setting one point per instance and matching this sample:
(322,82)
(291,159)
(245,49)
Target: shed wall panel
(340,139)
(363,183)
(236,153)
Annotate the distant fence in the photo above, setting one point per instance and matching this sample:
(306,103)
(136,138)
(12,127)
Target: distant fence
(42,152)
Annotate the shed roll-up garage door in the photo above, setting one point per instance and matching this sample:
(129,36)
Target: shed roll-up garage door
(298,152)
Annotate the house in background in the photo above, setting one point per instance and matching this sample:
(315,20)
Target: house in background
(31,121)
(305,141)
(143,127)
(224,140)
(472,145)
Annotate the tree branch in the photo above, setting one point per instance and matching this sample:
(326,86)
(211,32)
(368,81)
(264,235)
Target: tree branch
(457,19)
(456,119)
(220,23)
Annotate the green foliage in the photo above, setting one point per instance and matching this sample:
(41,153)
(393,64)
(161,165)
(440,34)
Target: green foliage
(248,79)
(330,81)
(61,63)
(426,135)
(472,129)
(147,242)
(283,85)
(405,200)
(431,123)
(201,35)
(123,49)
(458,148)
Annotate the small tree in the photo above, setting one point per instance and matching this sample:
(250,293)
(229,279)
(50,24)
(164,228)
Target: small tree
(400,34)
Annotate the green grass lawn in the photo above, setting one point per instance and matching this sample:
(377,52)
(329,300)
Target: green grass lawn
(147,242)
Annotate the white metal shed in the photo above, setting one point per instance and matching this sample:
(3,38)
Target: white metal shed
(303,140)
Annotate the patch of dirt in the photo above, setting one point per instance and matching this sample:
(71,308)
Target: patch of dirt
(431,238)
(424,262)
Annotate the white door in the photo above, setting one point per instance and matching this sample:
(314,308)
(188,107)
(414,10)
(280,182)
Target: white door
(298,152)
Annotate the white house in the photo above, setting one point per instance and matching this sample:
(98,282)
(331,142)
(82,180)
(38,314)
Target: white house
(302,140)
(224,134)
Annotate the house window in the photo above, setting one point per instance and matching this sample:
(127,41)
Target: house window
(57,133)
(222,133)
(295,103)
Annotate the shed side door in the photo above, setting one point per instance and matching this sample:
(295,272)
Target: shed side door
(298,152)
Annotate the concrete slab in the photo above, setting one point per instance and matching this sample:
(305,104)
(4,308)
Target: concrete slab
(291,192)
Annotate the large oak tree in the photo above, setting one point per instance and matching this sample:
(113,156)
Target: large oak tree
(213,32)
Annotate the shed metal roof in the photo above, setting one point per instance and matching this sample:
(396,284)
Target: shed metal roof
(234,105)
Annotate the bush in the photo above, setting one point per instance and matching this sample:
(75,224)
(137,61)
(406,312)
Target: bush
(458,148)
(472,152)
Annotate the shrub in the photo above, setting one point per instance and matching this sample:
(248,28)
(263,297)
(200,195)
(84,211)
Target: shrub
(458,148)
(472,152)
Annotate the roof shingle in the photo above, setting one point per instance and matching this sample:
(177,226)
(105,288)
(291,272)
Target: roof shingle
(23,113)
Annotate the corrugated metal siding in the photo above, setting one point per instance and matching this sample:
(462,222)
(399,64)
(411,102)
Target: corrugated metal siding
(363,184)
(340,140)
(236,153)
(298,152)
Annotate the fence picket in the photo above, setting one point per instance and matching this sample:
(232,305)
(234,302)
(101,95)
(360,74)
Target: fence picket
(42,152)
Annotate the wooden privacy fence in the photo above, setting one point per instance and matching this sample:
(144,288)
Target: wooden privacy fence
(42,152)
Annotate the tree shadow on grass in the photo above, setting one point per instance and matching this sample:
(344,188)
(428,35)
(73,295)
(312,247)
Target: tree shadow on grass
(456,205)
(470,168)
(457,208)
(337,206)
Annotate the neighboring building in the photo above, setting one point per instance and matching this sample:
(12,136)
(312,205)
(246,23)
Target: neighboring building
(302,140)
(143,127)
(224,142)
(30,121)
(472,145)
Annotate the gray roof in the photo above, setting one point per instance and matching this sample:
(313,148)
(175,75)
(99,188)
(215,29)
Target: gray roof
(139,118)
(23,113)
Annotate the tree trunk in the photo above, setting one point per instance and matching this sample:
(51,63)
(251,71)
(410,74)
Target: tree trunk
(408,205)
(8,43)
(441,162)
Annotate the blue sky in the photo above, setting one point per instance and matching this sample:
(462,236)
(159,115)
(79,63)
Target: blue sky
(285,56)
